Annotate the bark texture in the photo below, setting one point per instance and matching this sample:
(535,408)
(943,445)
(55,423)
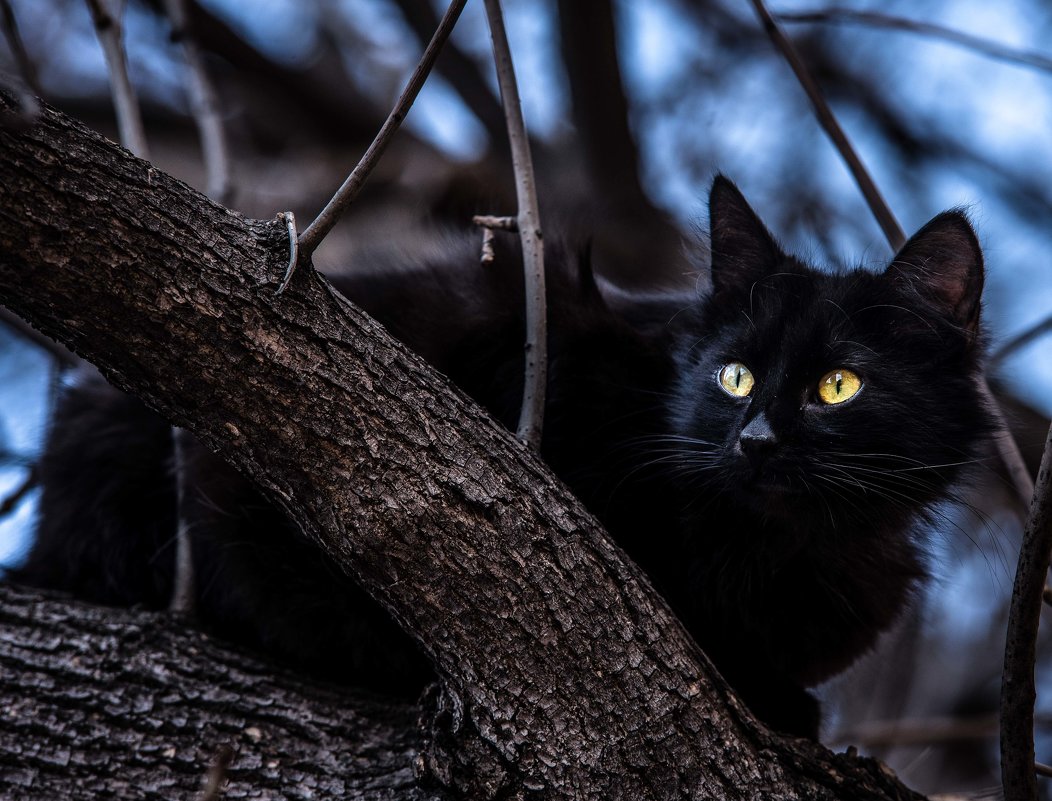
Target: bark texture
(564,675)
(123,704)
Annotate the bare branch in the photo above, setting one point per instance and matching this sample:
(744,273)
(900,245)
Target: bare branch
(1042,769)
(345,196)
(1017,682)
(26,68)
(926,731)
(531,416)
(892,230)
(1021,340)
(1008,450)
(874,19)
(11,502)
(204,104)
(125,103)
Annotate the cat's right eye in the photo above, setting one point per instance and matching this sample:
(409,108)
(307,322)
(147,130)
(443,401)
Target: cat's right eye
(736,379)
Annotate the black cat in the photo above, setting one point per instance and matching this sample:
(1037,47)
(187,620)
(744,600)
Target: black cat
(768,452)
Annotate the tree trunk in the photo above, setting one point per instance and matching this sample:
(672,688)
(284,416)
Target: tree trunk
(564,675)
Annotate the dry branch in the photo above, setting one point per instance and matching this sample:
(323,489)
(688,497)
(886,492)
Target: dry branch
(125,102)
(1017,682)
(204,104)
(877,205)
(346,194)
(531,414)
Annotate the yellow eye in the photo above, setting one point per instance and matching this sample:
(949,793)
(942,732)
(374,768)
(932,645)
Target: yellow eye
(837,386)
(736,379)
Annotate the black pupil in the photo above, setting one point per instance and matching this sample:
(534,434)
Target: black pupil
(839,382)
(737,378)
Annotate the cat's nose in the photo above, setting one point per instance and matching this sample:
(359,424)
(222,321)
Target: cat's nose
(757,439)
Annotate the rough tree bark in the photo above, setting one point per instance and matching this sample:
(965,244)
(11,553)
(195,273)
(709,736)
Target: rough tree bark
(563,674)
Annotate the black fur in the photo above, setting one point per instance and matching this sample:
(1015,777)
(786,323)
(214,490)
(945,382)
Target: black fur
(786,549)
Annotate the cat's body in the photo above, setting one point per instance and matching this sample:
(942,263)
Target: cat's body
(782,528)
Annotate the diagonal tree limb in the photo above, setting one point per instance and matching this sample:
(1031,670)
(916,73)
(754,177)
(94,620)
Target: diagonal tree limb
(564,673)
(531,415)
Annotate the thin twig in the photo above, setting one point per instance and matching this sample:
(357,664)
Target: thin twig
(125,103)
(926,731)
(204,104)
(183,591)
(531,416)
(1008,450)
(1042,769)
(345,196)
(877,205)
(874,19)
(26,68)
(1017,681)
(1020,340)
(11,502)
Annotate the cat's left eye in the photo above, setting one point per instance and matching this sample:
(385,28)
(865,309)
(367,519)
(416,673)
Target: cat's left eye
(837,386)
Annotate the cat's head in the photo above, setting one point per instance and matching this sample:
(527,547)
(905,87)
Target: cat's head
(820,398)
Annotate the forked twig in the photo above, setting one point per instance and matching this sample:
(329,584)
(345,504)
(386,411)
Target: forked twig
(488,223)
(531,415)
(346,194)
(1017,681)
(204,105)
(125,103)
(875,19)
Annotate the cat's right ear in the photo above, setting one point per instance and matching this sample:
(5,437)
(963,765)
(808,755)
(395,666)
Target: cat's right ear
(743,250)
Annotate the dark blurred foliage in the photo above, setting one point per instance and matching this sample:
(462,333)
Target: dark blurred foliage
(633,106)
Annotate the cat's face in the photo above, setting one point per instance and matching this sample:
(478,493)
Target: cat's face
(825,400)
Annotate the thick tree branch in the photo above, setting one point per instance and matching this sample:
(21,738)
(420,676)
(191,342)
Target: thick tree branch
(565,675)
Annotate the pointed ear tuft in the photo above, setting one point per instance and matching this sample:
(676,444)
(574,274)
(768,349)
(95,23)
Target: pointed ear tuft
(943,263)
(743,250)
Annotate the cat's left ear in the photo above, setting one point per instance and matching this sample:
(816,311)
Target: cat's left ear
(943,263)
(743,250)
